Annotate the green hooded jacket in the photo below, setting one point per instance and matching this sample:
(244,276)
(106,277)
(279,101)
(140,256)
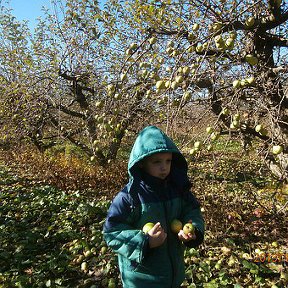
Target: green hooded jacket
(149,199)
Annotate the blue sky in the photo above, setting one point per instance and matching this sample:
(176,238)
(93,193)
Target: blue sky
(28,10)
(31,9)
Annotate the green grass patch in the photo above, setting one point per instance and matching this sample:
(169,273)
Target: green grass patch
(52,237)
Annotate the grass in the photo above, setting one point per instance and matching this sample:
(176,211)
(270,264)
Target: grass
(51,236)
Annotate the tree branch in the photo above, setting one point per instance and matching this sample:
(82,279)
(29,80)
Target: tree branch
(67,111)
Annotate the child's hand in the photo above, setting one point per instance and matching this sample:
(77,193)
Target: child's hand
(157,236)
(184,237)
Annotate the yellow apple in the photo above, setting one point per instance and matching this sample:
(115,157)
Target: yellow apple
(87,253)
(219,42)
(236,84)
(152,40)
(191,37)
(192,151)
(251,59)
(147,227)
(186,70)
(235,124)
(133,46)
(225,111)
(168,84)
(274,244)
(209,130)
(187,95)
(169,50)
(188,228)
(128,52)
(214,136)
(179,79)
(176,225)
(250,80)
(84,266)
(198,144)
(243,82)
(123,76)
(199,48)
(175,52)
(277,149)
(258,128)
(250,21)
(209,147)
(229,43)
(174,85)
(217,26)
(160,84)
(233,35)
(218,39)
(261,130)
(205,45)
(195,27)
(191,49)
(236,117)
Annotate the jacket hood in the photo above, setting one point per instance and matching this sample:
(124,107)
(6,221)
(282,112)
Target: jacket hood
(153,140)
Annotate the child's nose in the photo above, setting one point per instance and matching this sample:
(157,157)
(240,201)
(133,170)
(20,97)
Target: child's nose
(163,167)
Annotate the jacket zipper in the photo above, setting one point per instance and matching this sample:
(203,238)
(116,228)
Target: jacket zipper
(168,244)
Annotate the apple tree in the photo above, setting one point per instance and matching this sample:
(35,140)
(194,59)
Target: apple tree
(66,80)
(227,56)
(88,74)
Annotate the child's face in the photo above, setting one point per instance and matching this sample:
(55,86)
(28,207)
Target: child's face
(158,165)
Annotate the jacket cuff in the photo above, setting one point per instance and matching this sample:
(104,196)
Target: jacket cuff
(146,247)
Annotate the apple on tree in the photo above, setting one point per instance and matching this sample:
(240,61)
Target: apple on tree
(152,40)
(160,84)
(195,26)
(209,130)
(251,59)
(133,46)
(250,21)
(225,111)
(277,149)
(236,84)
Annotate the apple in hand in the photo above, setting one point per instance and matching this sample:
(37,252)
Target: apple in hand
(147,227)
(188,228)
(176,226)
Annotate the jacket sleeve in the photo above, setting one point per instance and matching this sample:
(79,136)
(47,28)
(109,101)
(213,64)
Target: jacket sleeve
(191,211)
(119,231)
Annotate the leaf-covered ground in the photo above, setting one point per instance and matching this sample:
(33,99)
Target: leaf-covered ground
(51,237)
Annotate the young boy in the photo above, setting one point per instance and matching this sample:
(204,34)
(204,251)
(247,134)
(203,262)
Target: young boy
(159,192)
